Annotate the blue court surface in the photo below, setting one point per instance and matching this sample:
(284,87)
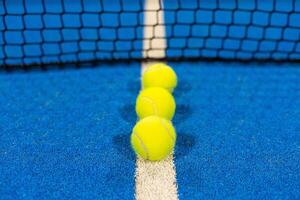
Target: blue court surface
(64,133)
(238,131)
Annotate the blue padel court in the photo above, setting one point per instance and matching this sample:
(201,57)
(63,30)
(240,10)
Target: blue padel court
(70,72)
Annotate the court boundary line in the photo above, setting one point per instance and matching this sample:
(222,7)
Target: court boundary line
(155,180)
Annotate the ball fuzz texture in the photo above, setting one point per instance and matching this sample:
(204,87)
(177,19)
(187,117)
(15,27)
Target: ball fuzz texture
(160,75)
(155,101)
(153,138)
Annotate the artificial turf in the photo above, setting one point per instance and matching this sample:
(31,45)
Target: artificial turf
(238,131)
(65,134)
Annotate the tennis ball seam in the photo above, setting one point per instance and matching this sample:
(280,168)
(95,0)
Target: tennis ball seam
(168,131)
(142,144)
(155,110)
(169,89)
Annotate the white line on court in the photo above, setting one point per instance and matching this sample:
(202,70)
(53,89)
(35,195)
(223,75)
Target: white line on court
(155,180)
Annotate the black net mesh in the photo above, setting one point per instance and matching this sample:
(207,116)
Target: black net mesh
(41,32)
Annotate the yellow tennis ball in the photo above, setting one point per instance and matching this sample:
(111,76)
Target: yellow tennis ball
(155,101)
(160,75)
(153,138)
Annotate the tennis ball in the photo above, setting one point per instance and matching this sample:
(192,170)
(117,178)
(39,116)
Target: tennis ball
(155,101)
(159,75)
(153,138)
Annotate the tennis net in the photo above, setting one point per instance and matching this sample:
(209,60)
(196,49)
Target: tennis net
(42,32)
